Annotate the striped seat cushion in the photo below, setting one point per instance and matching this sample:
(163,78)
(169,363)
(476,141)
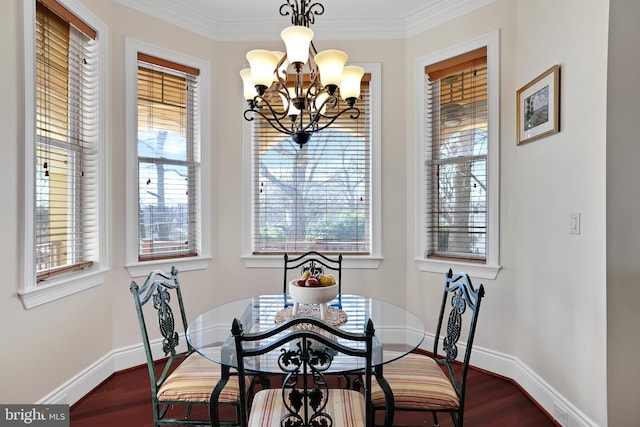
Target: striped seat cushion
(194,379)
(346,408)
(417,382)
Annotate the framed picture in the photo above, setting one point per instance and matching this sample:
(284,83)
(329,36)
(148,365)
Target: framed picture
(538,106)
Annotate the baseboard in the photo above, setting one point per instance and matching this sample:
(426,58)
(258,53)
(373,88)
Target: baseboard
(81,384)
(565,413)
(557,405)
(562,410)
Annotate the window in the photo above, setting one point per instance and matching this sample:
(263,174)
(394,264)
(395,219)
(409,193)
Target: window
(167,160)
(166,167)
(65,244)
(323,196)
(459,160)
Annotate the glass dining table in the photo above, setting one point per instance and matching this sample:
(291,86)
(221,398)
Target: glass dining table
(397,333)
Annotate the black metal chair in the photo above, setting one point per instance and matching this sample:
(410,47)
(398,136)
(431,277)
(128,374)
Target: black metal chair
(304,355)
(187,379)
(315,263)
(437,384)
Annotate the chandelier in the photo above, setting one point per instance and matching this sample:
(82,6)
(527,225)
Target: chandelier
(301,91)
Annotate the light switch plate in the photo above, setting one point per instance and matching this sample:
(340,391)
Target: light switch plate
(574,223)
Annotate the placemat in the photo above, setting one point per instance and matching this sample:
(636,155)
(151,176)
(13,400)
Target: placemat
(335,316)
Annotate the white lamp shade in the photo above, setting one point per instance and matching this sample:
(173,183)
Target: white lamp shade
(263,65)
(247,84)
(322,96)
(350,86)
(330,63)
(293,111)
(282,70)
(297,39)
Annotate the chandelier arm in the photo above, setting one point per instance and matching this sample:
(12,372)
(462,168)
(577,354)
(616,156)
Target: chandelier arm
(331,101)
(315,87)
(260,101)
(280,87)
(276,117)
(278,65)
(313,92)
(273,121)
(316,117)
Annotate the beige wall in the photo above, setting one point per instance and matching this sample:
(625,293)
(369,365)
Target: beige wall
(544,312)
(546,309)
(46,346)
(498,307)
(562,336)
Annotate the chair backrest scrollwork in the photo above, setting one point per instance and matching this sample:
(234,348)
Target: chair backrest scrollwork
(460,301)
(158,289)
(305,357)
(315,263)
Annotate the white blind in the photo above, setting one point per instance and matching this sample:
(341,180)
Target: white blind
(168,159)
(66,227)
(457,158)
(317,197)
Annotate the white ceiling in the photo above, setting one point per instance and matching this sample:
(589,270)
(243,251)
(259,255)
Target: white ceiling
(236,20)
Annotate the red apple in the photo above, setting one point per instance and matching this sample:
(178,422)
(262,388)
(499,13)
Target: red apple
(312,282)
(300,282)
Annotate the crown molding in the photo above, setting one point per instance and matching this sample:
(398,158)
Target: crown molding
(432,14)
(438,12)
(178,14)
(330,29)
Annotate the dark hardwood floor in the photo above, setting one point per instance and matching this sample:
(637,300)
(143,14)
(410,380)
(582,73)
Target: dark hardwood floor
(124,400)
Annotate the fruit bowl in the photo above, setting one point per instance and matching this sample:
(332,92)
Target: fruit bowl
(312,295)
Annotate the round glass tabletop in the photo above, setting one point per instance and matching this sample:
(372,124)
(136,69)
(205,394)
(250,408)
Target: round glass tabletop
(397,331)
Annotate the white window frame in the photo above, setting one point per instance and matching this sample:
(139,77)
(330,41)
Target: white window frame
(349,261)
(490,269)
(32,293)
(135,267)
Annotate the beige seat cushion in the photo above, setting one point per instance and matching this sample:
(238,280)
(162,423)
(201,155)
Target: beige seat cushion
(417,382)
(346,408)
(194,379)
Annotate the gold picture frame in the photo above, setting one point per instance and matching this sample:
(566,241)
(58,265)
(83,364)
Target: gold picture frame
(538,107)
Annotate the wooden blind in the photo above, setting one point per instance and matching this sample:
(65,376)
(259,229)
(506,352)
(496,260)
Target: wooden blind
(66,142)
(168,159)
(67,16)
(317,197)
(457,157)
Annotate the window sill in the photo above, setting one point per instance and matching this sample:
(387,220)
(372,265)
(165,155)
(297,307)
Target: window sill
(52,290)
(140,269)
(481,271)
(277,261)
